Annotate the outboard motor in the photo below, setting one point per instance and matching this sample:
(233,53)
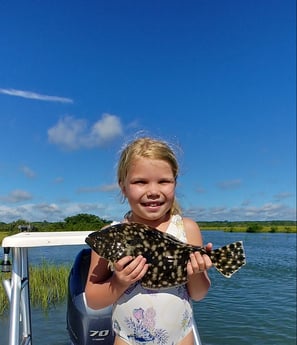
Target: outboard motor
(85,325)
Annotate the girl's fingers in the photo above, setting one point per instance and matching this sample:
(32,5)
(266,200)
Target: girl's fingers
(199,263)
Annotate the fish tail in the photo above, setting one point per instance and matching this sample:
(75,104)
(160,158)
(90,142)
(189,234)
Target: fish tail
(228,259)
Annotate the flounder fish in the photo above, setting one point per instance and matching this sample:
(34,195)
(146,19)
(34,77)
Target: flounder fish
(166,255)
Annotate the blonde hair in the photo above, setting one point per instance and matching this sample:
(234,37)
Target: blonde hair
(147,147)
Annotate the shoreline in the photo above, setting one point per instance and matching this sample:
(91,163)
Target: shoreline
(254,227)
(279,230)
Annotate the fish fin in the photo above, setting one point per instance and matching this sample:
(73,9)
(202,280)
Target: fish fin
(228,259)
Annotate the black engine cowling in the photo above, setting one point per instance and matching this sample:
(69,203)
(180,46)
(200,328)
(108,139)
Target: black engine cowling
(85,326)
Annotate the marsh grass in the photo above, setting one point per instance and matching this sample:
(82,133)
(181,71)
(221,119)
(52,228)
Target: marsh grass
(48,286)
(3,297)
(3,234)
(254,228)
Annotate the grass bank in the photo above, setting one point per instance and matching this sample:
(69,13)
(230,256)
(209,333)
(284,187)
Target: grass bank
(252,228)
(48,286)
(2,235)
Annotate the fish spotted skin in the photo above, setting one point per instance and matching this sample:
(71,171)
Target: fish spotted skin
(166,255)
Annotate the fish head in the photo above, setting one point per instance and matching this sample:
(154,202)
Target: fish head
(109,243)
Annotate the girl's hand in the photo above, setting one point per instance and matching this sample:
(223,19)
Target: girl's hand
(199,263)
(127,270)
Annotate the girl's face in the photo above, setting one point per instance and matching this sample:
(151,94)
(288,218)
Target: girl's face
(149,188)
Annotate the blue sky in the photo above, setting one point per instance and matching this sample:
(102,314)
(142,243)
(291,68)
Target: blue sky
(215,78)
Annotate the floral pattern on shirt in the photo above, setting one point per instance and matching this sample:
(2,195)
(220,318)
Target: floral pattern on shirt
(186,321)
(143,328)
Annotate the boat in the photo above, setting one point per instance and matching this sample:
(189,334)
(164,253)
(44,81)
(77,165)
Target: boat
(87,326)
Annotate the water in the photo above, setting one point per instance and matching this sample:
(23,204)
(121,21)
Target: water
(257,306)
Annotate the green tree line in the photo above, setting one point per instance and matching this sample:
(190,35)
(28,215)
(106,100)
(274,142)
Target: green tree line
(83,221)
(251,226)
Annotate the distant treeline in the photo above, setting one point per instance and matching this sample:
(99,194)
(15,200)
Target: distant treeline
(78,222)
(91,222)
(251,226)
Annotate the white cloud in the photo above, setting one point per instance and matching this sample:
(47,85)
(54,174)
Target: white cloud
(269,211)
(231,184)
(17,195)
(200,190)
(54,212)
(106,129)
(47,210)
(70,133)
(98,189)
(27,171)
(59,179)
(283,195)
(110,187)
(34,95)
(51,212)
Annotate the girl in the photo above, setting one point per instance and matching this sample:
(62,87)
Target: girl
(147,176)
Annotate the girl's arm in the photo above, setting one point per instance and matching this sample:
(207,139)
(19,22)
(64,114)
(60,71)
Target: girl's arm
(198,280)
(104,287)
